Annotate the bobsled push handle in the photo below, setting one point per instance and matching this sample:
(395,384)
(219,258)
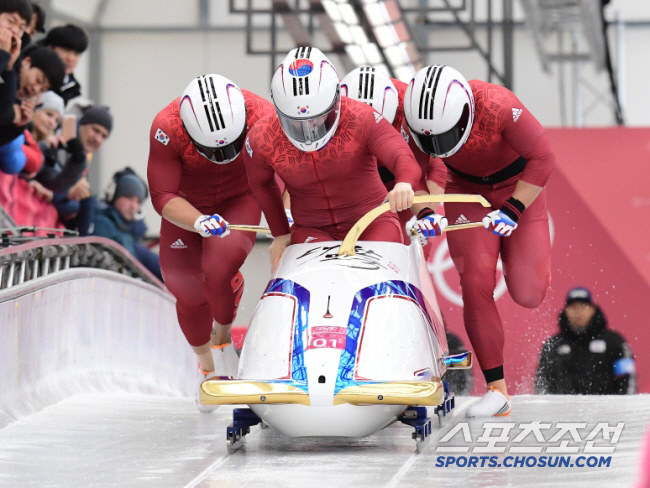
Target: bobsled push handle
(249,228)
(347,247)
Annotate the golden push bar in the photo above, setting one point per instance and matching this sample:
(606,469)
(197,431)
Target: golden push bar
(347,247)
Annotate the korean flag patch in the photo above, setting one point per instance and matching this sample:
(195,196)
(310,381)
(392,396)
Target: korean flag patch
(162,137)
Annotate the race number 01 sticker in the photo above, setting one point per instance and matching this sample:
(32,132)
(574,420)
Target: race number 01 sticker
(327,336)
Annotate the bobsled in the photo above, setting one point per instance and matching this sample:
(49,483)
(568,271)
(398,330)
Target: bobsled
(346,339)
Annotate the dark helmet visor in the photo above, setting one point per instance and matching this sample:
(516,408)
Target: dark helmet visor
(437,144)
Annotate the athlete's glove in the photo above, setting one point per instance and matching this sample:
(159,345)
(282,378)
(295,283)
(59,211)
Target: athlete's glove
(212,225)
(503,221)
(289,216)
(428,224)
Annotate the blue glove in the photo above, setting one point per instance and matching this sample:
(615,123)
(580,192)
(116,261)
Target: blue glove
(503,221)
(212,225)
(499,223)
(428,224)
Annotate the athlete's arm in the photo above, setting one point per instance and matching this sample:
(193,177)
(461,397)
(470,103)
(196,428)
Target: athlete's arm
(526,193)
(261,179)
(164,170)
(528,138)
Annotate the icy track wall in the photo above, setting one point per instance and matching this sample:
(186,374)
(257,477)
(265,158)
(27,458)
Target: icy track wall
(87,330)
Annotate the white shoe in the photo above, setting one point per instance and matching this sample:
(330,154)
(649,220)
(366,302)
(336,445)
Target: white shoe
(226,361)
(201,378)
(493,404)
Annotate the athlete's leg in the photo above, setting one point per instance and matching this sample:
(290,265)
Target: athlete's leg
(475,253)
(222,258)
(180,262)
(526,256)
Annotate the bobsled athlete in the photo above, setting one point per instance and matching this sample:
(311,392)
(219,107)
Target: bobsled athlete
(323,147)
(492,146)
(386,96)
(198,184)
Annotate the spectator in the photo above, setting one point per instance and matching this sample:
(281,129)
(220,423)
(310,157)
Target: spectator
(14,16)
(29,160)
(585,358)
(69,42)
(36,24)
(47,116)
(77,207)
(38,69)
(64,155)
(94,127)
(115,219)
(64,159)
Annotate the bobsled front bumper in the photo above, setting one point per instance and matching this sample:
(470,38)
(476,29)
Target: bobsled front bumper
(232,392)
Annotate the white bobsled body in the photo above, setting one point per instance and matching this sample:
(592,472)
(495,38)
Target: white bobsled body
(328,324)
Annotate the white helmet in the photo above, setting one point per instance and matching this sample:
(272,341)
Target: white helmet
(306,93)
(439,110)
(213,111)
(373,87)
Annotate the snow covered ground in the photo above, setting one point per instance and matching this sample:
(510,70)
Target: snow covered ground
(126,439)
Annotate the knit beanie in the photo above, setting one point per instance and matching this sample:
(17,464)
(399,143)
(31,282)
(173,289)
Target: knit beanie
(51,101)
(130,185)
(98,114)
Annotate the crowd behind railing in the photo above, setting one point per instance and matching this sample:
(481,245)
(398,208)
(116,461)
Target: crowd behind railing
(49,132)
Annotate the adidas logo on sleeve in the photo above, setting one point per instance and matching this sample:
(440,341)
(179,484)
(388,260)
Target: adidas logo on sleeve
(178,244)
(516,113)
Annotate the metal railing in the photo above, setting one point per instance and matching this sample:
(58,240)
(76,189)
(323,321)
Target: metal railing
(22,262)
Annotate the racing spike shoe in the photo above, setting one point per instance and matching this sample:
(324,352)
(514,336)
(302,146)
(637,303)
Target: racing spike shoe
(226,361)
(201,378)
(493,404)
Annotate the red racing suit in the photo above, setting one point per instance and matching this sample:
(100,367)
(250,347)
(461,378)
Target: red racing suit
(506,144)
(331,188)
(202,273)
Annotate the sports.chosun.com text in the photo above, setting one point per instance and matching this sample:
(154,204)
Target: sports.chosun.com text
(523,461)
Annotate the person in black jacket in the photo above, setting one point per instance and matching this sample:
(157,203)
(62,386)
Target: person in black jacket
(14,16)
(37,70)
(585,358)
(69,42)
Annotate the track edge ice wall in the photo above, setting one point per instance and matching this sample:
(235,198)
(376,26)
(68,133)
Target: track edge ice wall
(88,330)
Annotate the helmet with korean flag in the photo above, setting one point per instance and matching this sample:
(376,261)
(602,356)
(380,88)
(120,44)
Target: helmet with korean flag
(439,110)
(373,87)
(306,93)
(213,111)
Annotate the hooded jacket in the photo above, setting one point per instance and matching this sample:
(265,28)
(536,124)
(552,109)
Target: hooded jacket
(592,361)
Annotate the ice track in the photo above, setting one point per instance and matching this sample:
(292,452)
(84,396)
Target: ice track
(130,439)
